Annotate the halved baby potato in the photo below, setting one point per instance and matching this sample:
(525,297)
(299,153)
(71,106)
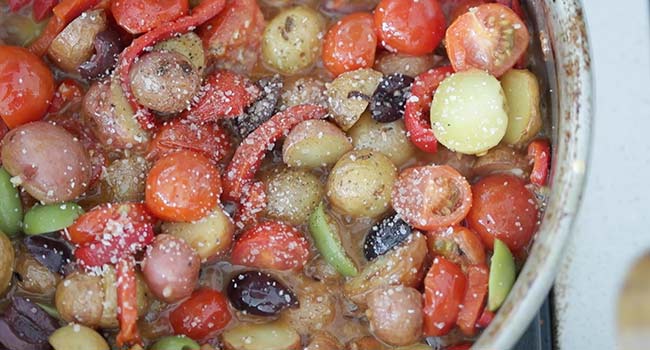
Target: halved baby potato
(76,43)
(315,143)
(267,336)
(188,45)
(522,96)
(349,94)
(292,194)
(387,138)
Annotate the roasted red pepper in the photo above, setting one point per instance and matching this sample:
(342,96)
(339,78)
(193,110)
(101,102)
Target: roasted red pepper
(249,155)
(417,107)
(539,151)
(474,300)
(252,203)
(127,303)
(43,8)
(201,13)
(486,318)
(64,13)
(226,95)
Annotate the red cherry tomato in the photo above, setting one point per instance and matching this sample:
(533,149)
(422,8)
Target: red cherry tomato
(491,37)
(474,300)
(431,197)
(455,8)
(271,245)
(203,314)
(503,208)
(458,244)
(444,290)
(413,27)
(539,151)
(26,86)
(183,186)
(350,44)
(140,16)
(209,139)
(232,38)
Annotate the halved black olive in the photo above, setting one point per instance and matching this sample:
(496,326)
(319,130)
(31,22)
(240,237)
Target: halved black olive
(389,100)
(261,110)
(259,293)
(108,46)
(24,325)
(386,235)
(52,252)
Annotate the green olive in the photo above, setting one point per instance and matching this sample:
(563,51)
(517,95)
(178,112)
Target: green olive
(175,343)
(77,337)
(328,242)
(469,112)
(50,218)
(502,275)
(11,209)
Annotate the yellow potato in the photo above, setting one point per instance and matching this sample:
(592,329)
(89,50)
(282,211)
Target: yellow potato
(349,93)
(77,337)
(522,95)
(315,143)
(75,44)
(387,138)
(188,45)
(266,336)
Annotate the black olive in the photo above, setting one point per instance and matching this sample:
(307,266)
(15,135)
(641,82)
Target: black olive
(52,252)
(259,293)
(388,101)
(24,325)
(381,238)
(261,110)
(108,46)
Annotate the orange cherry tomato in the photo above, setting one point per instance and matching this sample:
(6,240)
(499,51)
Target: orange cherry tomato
(183,186)
(208,138)
(431,197)
(271,245)
(350,44)
(444,290)
(458,244)
(503,208)
(413,27)
(474,300)
(203,314)
(140,16)
(89,227)
(491,37)
(26,86)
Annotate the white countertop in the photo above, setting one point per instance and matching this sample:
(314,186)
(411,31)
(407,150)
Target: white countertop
(612,228)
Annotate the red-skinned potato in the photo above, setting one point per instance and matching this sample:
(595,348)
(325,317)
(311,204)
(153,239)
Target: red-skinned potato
(50,163)
(171,268)
(395,314)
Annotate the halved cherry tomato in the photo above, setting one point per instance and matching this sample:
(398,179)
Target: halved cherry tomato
(454,8)
(42,8)
(203,314)
(539,151)
(127,302)
(105,219)
(350,44)
(227,95)
(139,16)
(233,37)
(209,139)
(26,86)
(416,112)
(458,244)
(474,300)
(491,37)
(413,27)
(183,186)
(68,91)
(431,197)
(444,290)
(271,245)
(503,208)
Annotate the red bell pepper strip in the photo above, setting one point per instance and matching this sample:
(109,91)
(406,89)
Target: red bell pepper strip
(200,14)
(127,303)
(474,301)
(67,91)
(486,318)
(417,106)
(463,346)
(64,13)
(539,151)
(42,8)
(16,5)
(253,202)
(250,153)
(226,95)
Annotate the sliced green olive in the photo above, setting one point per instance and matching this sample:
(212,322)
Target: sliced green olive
(51,218)
(502,275)
(175,343)
(328,242)
(11,209)
(77,337)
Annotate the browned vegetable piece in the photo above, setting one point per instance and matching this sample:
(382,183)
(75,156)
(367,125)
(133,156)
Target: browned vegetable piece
(462,162)
(304,90)
(165,81)
(323,341)
(349,94)
(75,44)
(7,257)
(502,159)
(126,179)
(33,276)
(400,266)
(395,314)
(79,298)
(317,308)
(365,343)
(397,63)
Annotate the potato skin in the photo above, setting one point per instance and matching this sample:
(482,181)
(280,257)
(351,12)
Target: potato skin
(387,138)
(292,194)
(395,314)
(7,257)
(291,42)
(79,298)
(315,143)
(360,183)
(75,44)
(165,81)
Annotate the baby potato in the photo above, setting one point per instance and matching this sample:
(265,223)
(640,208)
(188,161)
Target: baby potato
(315,143)
(292,40)
(323,341)
(77,337)
(395,314)
(522,96)
(34,277)
(349,94)
(387,138)
(304,90)
(125,179)
(469,112)
(210,237)
(75,44)
(316,311)
(79,298)
(188,45)
(7,257)
(360,183)
(292,194)
(397,63)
